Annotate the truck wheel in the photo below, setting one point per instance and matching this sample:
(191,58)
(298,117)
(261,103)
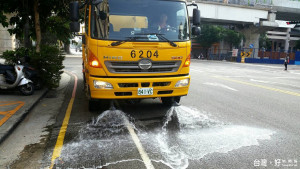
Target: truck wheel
(168,101)
(27,89)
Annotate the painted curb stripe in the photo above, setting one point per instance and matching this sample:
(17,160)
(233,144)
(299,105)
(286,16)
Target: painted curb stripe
(63,129)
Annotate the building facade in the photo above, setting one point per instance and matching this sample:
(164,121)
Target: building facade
(7,42)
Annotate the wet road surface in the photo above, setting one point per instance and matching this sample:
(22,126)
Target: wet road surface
(235,116)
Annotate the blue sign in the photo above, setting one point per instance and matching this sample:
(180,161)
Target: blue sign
(251,46)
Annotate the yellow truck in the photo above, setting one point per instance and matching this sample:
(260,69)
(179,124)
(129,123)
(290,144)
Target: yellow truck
(135,49)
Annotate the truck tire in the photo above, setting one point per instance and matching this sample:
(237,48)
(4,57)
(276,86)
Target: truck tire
(168,101)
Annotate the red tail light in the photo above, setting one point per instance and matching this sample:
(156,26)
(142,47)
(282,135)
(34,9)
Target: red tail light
(93,61)
(187,61)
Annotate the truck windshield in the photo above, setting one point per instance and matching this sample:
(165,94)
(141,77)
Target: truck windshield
(121,19)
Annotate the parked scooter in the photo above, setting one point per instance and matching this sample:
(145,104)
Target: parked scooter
(13,76)
(33,75)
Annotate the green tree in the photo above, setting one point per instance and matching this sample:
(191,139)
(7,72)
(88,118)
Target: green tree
(46,22)
(210,34)
(264,42)
(35,19)
(233,38)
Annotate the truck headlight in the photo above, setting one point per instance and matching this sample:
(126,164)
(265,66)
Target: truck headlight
(182,83)
(102,85)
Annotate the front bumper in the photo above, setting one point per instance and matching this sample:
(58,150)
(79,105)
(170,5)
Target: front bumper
(127,88)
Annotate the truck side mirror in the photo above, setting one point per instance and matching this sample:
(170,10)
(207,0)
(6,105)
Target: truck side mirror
(74,17)
(74,11)
(196,17)
(196,31)
(75,26)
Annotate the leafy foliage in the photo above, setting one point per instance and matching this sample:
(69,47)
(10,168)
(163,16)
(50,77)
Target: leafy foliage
(49,63)
(232,37)
(54,18)
(12,57)
(264,42)
(210,34)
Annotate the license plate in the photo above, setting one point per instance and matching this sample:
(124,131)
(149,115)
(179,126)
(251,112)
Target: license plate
(145,91)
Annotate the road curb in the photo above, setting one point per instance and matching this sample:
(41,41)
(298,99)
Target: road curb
(24,113)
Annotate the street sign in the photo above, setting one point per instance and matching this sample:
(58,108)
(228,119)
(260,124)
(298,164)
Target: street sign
(248,54)
(242,54)
(235,52)
(251,46)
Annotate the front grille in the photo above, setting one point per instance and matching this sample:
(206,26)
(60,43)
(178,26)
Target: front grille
(161,84)
(144,84)
(132,67)
(128,85)
(165,92)
(123,93)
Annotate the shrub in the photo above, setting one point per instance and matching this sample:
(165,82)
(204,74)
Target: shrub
(12,57)
(49,62)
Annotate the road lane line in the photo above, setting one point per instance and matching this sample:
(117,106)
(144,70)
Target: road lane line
(139,146)
(63,129)
(259,86)
(268,82)
(220,85)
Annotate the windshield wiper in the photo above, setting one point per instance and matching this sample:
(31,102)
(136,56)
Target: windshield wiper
(117,43)
(161,37)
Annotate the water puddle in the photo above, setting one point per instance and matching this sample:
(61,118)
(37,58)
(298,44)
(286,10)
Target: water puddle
(197,135)
(104,141)
(185,134)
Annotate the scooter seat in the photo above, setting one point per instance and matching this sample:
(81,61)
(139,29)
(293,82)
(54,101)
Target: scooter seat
(4,68)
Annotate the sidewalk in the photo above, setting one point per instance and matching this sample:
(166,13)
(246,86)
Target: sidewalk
(14,107)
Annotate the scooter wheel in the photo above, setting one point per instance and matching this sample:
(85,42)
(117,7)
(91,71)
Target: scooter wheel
(27,89)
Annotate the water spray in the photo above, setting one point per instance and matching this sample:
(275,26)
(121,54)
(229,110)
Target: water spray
(112,106)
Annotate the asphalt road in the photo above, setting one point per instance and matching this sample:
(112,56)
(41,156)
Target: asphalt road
(235,116)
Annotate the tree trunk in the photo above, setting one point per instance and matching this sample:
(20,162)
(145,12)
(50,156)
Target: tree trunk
(67,48)
(27,43)
(37,26)
(207,54)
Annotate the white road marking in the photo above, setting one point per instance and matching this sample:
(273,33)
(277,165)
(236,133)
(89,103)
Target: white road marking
(139,146)
(220,85)
(295,72)
(285,77)
(275,67)
(268,82)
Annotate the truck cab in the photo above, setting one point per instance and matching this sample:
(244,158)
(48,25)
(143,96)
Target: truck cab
(136,49)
